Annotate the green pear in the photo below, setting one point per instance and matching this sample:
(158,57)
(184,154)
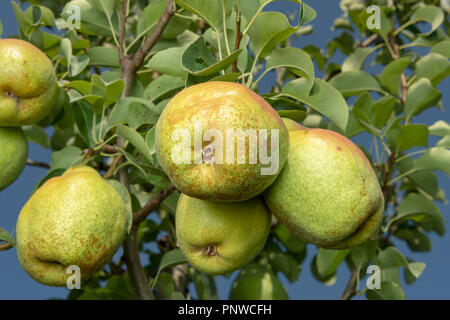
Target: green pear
(221,237)
(28,86)
(13,155)
(257,282)
(327,193)
(75,219)
(196,148)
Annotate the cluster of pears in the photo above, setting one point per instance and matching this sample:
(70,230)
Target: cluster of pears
(27,93)
(76,219)
(324,190)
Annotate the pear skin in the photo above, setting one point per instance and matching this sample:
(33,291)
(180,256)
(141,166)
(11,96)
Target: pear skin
(28,88)
(219,106)
(327,193)
(221,237)
(75,219)
(13,155)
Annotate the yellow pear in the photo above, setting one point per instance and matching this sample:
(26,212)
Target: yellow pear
(221,237)
(77,219)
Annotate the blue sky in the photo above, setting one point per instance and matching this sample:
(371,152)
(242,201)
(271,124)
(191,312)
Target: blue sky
(433,284)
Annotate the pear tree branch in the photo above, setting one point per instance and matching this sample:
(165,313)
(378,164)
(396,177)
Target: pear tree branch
(129,65)
(34,163)
(350,289)
(5,246)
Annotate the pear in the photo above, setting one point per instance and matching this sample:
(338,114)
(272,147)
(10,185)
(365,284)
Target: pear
(327,193)
(13,155)
(75,219)
(28,88)
(221,237)
(202,165)
(257,282)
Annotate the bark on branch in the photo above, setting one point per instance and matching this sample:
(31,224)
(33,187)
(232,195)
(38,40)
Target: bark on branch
(129,65)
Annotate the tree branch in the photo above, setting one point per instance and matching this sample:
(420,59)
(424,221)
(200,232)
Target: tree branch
(350,289)
(129,65)
(369,40)
(5,246)
(34,163)
(238,38)
(123,23)
(153,204)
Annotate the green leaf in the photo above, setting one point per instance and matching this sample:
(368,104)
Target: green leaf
(136,140)
(68,157)
(328,261)
(441,129)
(103,57)
(163,86)
(416,205)
(165,284)
(37,134)
(285,263)
(323,98)
(93,19)
(168,62)
(425,180)
(134,111)
(267,30)
(421,95)
(392,258)
(78,64)
(209,10)
(415,238)
(390,77)
(296,60)
(389,291)
(23,21)
(434,159)
(431,14)
(205,285)
(199,61)
(433,66)
(110,91)
(442,48)
(290,241)
(85,120)
(355,61)
(355,82)
(382,110)
(406,137)
(170,259)
(362,254)
(5,236)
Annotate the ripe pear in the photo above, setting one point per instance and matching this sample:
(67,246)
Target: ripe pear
(257,282)
(327,193)
(28,88)
(13,155)
(204,168)
(221,237)
(75,219)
